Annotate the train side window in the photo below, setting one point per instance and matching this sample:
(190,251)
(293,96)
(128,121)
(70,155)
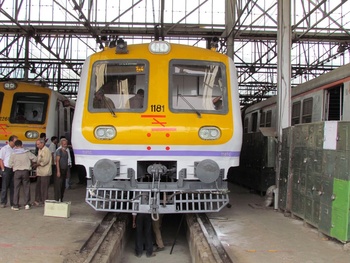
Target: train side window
(296,112)
(65,120)
(268,118)
(246,123)
(307,110)
(262,119)
(255,122)
(334,103)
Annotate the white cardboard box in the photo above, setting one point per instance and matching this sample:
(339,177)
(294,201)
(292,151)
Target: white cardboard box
(57,209)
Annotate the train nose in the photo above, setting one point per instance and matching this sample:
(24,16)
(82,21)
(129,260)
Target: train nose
(105,170)
(207,171)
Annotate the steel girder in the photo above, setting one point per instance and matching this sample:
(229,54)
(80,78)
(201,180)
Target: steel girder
(48,41)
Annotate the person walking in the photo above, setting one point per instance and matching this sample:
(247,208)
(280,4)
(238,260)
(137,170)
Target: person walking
(43,172)
(62,167)
(6,171)
(21,163)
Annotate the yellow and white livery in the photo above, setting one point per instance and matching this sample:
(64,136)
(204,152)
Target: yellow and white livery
(157,126)
(28,109)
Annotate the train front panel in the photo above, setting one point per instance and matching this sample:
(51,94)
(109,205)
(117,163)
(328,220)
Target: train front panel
(29,109)
(157,127)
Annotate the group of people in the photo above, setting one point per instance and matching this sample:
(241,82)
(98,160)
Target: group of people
(16,164)
(143,223)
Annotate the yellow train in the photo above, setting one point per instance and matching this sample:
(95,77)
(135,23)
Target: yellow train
(29,109)
(157,126)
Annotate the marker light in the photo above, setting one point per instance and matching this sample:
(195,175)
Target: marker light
(159,47)
(209,133)
(105,132)
(10,85)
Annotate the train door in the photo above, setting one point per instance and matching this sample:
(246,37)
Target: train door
(334,103)
(255,122)
(62,126)
(66,112)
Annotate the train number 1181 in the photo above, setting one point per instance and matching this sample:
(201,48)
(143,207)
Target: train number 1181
(157,108)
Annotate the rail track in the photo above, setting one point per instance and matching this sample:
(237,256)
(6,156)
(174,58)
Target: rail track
(218,251)
(107,243)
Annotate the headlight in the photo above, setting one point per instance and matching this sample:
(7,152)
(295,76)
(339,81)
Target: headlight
(105,132)
(209,133)
(32,134)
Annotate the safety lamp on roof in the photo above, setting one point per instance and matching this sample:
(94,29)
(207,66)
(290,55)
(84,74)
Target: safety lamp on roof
(122,47)
(10,85)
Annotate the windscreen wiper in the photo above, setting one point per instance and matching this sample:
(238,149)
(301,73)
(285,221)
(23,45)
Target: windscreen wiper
(191,106)
(109,107)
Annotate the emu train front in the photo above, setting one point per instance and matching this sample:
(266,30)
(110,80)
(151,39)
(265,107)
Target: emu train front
(157,126)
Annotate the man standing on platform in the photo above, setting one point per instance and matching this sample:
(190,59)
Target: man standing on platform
(43,172)
(6,171)
(62,166)
(21,162)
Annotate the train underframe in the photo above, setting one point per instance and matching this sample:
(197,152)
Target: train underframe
(156,189)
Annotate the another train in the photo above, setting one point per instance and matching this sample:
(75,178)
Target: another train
(29,109)
(157,127)
(325,98)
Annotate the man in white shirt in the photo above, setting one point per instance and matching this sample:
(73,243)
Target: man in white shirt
(6,171)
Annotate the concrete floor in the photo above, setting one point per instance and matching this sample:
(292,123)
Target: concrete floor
(253,234)
(29,236)
(248,232)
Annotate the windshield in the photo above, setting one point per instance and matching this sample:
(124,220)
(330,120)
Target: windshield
(29,108)
(118,86)
(198,86)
